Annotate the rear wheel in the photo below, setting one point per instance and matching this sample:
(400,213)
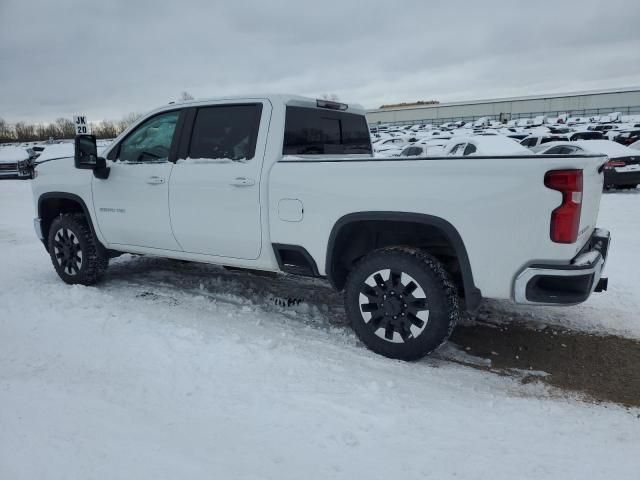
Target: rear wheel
(401,303)
(75,253)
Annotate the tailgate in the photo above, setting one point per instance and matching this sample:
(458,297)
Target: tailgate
(592,183)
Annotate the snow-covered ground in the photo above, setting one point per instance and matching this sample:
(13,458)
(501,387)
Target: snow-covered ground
(171,370)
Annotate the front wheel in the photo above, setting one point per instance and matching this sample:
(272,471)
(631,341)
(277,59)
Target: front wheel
(401,303)
(75,253)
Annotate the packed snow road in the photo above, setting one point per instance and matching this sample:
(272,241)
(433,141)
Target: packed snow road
(175,370)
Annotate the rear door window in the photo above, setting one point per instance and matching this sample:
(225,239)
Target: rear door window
(226,132)
(317,131)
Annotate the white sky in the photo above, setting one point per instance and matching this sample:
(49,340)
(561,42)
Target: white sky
(108,58)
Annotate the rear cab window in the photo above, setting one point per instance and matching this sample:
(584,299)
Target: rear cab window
(318,131)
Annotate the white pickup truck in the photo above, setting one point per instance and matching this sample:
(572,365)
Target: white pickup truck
(288,184)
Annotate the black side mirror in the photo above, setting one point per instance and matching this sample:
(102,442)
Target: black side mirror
(86,152)
(86,156)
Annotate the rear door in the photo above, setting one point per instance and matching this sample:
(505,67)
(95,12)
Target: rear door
(214,192)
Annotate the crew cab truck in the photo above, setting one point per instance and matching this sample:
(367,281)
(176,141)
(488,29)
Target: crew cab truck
(289,184)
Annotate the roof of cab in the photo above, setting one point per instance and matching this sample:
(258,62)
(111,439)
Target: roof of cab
(286,99)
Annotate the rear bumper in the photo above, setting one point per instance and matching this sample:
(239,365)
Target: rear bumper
(566,284)
(621,178)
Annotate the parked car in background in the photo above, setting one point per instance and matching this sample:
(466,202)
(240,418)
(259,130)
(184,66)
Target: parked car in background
(524,122)
(628,137)
(558,129)
(622,170)
(585,135)
(482,122)
(539,120)
(535,140)
(55,150)
(485,145)
(14,162)
(602,128)
(517,136)
(635,145)
(424,148)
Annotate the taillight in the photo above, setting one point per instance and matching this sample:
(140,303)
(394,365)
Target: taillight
(565,220)
(614,163)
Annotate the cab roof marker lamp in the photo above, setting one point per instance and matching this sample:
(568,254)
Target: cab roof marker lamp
(331,105)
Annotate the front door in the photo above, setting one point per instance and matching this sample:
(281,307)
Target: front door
(132,205)
(214,193)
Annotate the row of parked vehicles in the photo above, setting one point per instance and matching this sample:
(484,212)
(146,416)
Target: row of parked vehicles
(619,141)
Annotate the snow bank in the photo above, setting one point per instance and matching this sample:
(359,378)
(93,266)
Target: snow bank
(168,371)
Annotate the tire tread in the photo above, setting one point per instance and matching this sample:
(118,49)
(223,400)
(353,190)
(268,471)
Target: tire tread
(94,253)
(431,266)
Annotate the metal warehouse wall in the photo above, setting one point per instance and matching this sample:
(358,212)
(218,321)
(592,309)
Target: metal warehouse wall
(600,102)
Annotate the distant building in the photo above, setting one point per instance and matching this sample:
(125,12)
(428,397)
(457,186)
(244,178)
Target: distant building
(578,104)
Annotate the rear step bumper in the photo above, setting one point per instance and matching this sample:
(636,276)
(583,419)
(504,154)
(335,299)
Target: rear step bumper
(566,284)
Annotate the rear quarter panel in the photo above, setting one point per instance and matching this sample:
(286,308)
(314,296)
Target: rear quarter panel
(499,206)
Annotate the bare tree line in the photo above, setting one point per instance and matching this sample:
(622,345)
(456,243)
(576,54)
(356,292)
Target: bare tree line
(62,128)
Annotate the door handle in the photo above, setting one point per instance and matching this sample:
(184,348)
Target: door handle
(155,180)
(242,182)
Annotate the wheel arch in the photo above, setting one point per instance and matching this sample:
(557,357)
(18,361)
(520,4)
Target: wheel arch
(52,204)
(357,234)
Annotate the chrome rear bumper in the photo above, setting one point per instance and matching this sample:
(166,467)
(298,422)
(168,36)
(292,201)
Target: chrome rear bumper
(566,284)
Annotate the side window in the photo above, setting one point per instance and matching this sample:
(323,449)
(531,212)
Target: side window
(469,149)
(457,150)
(226,131)
(151,141)
(561,150)
(553,151)
(406,152)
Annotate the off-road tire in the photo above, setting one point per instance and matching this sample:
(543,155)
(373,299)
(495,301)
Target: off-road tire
(429,278)
(72,232)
